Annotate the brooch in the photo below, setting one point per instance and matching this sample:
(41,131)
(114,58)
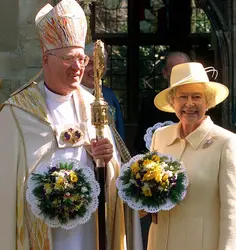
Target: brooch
(208,142)
(71,135)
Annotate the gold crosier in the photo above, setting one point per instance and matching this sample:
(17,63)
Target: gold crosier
(99,106)
(99,112)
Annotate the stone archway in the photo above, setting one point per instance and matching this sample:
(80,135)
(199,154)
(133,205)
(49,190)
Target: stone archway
(217,14)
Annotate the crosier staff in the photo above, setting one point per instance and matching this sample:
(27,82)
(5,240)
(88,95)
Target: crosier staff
(99,111)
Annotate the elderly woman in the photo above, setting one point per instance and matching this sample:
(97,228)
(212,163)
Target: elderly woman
(206,218)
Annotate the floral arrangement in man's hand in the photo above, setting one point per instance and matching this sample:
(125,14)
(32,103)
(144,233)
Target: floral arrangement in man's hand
(152,182)
(150,131)
(63,193)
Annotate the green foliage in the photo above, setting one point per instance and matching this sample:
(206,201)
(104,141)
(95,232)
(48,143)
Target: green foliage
(178,189)
(64,202)
(66,166)
(200,22)
(132,186)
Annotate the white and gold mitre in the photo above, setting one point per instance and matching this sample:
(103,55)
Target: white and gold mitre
(61,26)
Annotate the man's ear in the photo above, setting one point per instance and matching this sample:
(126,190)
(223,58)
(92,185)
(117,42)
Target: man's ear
(45,59)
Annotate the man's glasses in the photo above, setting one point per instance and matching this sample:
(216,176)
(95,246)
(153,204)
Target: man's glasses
(83,60)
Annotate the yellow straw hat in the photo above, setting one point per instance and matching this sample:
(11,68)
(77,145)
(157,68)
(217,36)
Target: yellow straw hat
(190,73)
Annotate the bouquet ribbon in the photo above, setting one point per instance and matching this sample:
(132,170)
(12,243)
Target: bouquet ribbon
(154,216)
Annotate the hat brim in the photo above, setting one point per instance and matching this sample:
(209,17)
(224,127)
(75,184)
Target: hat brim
(161,98)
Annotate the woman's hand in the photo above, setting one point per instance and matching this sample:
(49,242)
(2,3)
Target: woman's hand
(102,149)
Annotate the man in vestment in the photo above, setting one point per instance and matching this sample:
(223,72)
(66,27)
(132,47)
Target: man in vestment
(33,121)
(109,96)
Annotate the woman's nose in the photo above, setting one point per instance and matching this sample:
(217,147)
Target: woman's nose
(190,101)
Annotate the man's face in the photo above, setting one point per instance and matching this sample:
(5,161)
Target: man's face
(190,103)
(63,69)
(171,62)
(88,78)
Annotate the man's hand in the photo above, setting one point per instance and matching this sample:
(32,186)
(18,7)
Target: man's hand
(102,149)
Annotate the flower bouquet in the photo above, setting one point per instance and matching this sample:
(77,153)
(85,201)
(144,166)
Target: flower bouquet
(63,193)
(150,131)
(152,182)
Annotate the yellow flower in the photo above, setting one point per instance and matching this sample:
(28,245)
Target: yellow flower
(165,183)
(74,198)
(135,167)
(148,176)
(58,186)
(73,177)
(147,162)
(165,177)
(155,158)
(138,176)
(146,191)
(47,188)
(153,174)
(157,176)
(60,180)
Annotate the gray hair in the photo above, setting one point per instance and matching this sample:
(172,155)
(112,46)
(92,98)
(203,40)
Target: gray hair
(89,48)
(210,95)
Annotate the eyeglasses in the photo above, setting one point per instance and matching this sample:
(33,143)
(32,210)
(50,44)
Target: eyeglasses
(83,61)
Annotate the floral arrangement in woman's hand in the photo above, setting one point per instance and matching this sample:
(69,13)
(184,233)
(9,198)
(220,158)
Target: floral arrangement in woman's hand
(63,193)
(152,182)
(150,131)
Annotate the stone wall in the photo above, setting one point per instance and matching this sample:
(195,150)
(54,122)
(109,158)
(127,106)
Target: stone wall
(20,53)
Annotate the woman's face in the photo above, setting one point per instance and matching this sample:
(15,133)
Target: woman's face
(190,103)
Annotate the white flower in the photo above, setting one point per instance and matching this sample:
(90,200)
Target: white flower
(150,165)
(169,173)
(55,173)
(163,165)
(84,189)
(68,185)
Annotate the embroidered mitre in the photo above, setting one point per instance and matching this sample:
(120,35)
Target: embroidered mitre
(61,26)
